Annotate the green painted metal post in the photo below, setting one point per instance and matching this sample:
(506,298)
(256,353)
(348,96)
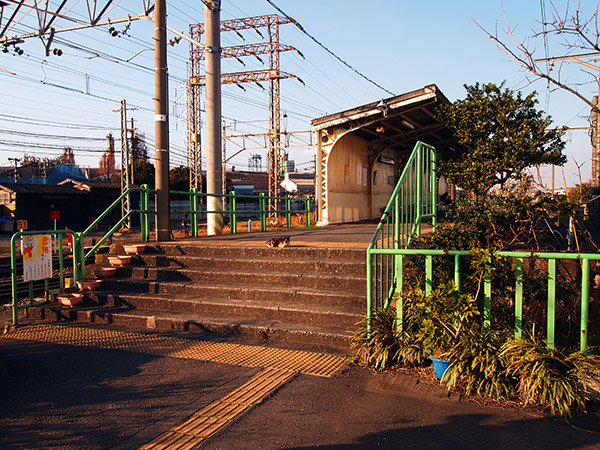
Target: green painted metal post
(61,262)
(585,298)
(400,302)
(428,274)
(419,193)
(233,212)
(519,298)
(434,188)
(487,304)
(457,280)
(551,302)
(369,287)
(80,272)
(13,275)
(262,205)
(194,211)
(144,220)
(307,210)
(288,211)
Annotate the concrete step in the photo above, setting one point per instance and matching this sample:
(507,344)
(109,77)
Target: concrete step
(234,308)
(335,266)
(296,252)
(288,294)
(317,337)
(290,277)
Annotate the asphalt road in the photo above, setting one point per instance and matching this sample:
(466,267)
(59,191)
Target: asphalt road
(66,397)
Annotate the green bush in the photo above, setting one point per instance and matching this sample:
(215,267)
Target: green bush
(478,369)
(379,348)
(545,376)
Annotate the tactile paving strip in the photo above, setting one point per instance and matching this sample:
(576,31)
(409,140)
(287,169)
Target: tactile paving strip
(310,363)
(212,418)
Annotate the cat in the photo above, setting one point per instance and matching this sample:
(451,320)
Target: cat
(278,241)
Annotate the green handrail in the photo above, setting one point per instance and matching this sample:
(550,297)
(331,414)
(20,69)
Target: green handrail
(13,265)
(413,200)
(519,256)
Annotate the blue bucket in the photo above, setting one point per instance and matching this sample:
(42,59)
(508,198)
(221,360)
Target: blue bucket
(440,366)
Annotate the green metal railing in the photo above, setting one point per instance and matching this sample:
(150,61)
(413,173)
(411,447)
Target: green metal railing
(80,256)
(231,209)
(519,257)
(413,200)
(13,261)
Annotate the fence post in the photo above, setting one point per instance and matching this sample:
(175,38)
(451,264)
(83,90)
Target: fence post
(288,211)
(307,210)
(519,298)
(434,188)
(419,183)
(233,212)
(585,298)
(263,212)
(428,274)
(551,302)
(79,256)
(194,211)
(144,220)
(369,288)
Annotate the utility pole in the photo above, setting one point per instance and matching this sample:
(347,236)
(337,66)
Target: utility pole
(15,160)
(126,167)
(212,14)
(161,122)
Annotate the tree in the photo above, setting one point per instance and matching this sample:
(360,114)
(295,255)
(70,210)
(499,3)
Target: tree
(573,32)
(143,173)
(501,133)
(179,178)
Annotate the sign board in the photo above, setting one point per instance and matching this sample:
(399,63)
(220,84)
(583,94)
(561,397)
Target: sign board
(22,224)
(54,215)
(37,257)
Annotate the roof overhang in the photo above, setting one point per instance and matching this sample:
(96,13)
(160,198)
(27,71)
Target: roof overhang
(396,122)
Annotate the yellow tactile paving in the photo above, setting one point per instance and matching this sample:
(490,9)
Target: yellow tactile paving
(311,363)
(206,422)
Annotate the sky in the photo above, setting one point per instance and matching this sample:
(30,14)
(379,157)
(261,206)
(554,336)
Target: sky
(49,102)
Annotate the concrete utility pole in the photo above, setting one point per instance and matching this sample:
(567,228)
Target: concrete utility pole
(161,122)
(212,20)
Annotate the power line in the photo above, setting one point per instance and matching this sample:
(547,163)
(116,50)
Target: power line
(301,28)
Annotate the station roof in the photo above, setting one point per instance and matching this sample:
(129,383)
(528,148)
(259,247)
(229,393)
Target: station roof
(396,122)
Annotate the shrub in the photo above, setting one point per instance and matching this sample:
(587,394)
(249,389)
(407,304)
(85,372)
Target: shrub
(379,348)
(545,376)
(478,369)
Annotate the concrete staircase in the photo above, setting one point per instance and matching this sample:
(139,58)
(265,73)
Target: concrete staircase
(300,294)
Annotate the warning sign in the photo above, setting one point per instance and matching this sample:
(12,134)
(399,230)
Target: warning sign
(37,257)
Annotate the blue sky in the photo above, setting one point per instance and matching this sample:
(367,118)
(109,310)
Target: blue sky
(401,45)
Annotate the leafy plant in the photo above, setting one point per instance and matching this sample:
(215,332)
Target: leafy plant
(545,376)
(379,347)
(440,317)
(477,367)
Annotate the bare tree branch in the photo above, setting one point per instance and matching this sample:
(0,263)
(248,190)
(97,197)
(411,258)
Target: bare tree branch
(569,29)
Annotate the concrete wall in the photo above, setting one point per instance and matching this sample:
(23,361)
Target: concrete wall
(348,178)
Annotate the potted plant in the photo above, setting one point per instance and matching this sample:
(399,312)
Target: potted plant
(441,318)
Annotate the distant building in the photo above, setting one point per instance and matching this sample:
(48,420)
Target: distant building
(34,203)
